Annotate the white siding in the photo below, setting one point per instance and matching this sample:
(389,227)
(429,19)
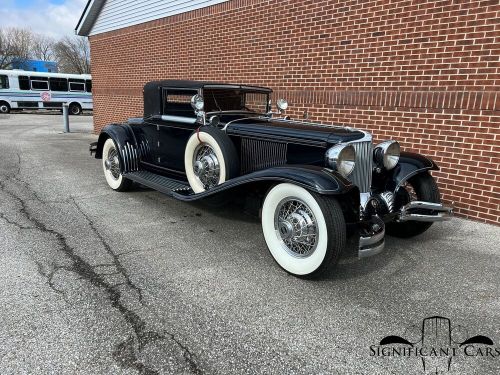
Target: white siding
(117,14)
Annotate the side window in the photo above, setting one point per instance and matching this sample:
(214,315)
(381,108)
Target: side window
(4,82)
(58,84)
(76,85)
(24,83)
(88,85)
(39,83)
(177,102)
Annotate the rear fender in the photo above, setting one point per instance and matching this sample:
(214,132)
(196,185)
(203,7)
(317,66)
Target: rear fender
(125,141)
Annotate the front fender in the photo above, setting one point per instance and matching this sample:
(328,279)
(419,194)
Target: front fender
(318,179)
(409,165)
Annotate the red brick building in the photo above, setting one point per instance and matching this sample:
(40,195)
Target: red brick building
(426,73)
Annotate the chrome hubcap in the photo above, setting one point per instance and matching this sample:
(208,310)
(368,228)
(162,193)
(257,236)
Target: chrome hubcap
(296,227)
(206,165)
(112,164)
(3,109)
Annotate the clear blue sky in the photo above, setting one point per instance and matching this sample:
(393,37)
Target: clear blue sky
(55,18)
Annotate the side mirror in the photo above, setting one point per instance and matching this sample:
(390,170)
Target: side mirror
(282,105)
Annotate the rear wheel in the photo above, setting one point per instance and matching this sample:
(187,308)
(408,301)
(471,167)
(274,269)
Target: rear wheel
(111,167)
(4,107)
(305,232)
(75,109)
(420,187)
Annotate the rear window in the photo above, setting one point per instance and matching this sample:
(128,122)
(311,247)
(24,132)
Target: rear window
(178,102)
(4,82)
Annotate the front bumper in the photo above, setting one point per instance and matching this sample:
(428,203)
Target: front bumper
(371,237)
(425,211)
(372,232)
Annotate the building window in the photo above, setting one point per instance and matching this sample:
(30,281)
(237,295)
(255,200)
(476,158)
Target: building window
(4,82)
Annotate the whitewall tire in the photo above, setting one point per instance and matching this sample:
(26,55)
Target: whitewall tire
(305,232)
(111,167)
(210,159)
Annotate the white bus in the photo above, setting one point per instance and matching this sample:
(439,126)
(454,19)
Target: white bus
(20,89)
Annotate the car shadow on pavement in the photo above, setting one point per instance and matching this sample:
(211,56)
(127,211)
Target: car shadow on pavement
(349,266)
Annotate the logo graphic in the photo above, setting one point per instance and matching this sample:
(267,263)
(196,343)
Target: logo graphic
(45,96)
(436,342)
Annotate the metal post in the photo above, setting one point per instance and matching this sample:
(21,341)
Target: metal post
(66,117)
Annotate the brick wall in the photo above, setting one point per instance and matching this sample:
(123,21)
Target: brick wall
(423,72)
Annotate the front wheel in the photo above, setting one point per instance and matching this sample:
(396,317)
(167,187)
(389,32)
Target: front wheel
(111,167)
(305,232)
(421,187)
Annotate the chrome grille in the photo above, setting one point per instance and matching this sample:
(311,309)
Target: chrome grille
(258,154)
(361,176)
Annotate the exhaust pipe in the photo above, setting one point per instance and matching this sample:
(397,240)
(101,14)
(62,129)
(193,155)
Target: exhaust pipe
(426,211)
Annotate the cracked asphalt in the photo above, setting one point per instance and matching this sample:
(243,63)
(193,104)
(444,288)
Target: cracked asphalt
(99,282)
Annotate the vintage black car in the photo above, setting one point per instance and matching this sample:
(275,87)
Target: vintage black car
(203,140)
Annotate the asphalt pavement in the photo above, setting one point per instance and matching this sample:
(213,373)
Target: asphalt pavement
(99,282)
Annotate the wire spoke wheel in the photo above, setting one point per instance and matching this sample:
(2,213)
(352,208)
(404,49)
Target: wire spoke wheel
(206,165)
(296,227)
(111,167)
(112,163)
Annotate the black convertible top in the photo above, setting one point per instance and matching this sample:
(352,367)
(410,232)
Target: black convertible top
(152,91)
(185,84)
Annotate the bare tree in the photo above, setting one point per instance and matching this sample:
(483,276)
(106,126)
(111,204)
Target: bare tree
(18,45)
(73,55)
(43,48)
(15,44)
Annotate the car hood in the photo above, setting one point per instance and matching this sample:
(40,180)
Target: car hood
(292,131)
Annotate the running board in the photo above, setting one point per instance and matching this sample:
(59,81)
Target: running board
(158,182)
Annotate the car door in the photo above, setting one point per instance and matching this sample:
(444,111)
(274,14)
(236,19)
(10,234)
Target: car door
(177,124)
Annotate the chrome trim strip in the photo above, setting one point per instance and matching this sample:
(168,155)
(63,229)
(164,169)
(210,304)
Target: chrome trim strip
(181,119)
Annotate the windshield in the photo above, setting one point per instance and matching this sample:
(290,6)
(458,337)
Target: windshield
(220,100)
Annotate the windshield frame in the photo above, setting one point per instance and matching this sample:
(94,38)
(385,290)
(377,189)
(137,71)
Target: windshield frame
(245,89)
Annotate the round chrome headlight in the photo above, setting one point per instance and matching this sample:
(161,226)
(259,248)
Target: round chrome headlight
(387,154)
(197,102)
(341,158)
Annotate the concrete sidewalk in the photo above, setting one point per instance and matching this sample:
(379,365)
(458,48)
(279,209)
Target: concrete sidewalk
(94,281)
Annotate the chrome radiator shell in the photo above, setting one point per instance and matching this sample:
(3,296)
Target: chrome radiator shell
(361,176)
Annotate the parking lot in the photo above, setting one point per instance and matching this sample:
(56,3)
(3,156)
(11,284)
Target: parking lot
(96,281)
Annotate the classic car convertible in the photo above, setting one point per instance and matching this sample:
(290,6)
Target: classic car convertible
(200,139)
